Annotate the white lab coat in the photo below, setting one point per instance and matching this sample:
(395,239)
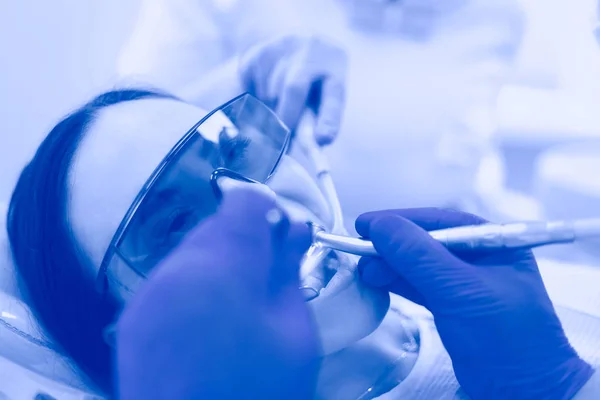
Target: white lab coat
(419,116)
(181,45)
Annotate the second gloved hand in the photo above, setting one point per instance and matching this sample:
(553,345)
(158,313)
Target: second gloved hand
(491,309)
(222,317)
(293,74)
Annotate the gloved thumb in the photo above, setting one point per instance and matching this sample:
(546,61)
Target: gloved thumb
(415,256)
(240,234)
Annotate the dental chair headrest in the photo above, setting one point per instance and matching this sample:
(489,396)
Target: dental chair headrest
(8,281)
(22,341)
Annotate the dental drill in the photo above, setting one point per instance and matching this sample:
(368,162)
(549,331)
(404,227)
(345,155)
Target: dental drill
(475,237)
(312,277)
(478,237)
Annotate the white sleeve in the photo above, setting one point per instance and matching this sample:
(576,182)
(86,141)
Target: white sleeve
(172,43)
(176,44)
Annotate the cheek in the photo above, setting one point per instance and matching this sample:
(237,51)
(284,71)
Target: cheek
(229,185)
(260,161)
(298,193)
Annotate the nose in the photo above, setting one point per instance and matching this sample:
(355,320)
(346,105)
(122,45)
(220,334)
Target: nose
(296,188)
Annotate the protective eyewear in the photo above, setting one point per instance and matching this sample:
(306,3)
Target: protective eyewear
(243,139)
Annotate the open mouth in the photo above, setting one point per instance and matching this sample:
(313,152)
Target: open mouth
(323,263)
(324,272)
(344,309)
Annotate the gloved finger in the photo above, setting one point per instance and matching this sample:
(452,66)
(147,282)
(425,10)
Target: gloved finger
(242,229)
(289,247)
(414,255)
(276,83)
(258,63)
(403,288)
(330,113)
(294,95)
(232,245)
(377,273)
(255,70)
(246,209)
(428,219)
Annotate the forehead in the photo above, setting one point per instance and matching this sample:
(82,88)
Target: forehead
(119,152)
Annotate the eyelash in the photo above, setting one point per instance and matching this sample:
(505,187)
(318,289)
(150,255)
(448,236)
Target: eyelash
(238,146)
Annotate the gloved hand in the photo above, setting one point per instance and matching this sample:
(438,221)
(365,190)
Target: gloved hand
(293,74)
(491,309)
(222,317)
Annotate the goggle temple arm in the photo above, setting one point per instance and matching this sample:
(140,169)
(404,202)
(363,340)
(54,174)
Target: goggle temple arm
(225,173)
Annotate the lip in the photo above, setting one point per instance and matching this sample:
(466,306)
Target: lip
(346,310)
(297,212)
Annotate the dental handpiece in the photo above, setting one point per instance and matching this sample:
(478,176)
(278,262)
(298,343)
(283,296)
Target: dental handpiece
(476,237)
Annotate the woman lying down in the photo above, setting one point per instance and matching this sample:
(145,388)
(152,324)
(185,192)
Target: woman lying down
(111,191)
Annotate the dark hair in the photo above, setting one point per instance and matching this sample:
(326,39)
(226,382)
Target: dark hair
(55,275)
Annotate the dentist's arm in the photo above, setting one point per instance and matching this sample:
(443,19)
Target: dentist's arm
(491,309)
(206,55)
(173,42)
(177,44)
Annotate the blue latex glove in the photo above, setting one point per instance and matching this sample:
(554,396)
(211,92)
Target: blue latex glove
(491,309)
(222,317)
(293,74)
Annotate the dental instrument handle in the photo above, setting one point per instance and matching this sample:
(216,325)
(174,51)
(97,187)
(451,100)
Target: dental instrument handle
(305,139)
(487,236)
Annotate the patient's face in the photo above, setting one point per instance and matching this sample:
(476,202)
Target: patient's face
(122,149)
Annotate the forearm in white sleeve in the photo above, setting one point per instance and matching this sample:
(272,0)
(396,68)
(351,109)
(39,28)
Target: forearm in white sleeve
(173,42)
(178,44)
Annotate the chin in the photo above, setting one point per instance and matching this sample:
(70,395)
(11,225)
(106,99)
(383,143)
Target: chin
(346,310)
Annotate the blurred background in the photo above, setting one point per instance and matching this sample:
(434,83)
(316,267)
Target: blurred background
(54,55)
(544,161)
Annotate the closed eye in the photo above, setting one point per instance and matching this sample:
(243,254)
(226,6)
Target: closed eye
(233,151)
